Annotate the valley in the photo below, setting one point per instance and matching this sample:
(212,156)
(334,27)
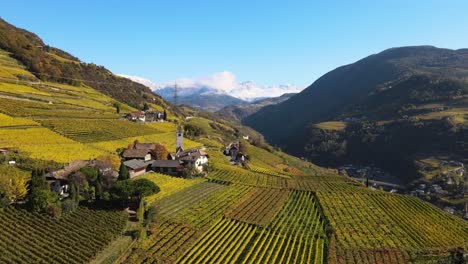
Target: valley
(89,172)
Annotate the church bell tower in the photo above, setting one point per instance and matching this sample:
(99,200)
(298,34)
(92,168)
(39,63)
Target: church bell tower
(179,139)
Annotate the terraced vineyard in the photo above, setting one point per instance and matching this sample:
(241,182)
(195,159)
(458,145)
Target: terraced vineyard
(399,224)
(8,121)
(41,108)
(75,238)
(41,143)
(294,236)
(279,209)
(185,215)
(167,139)
(95,130)
(231,174)
(258,206)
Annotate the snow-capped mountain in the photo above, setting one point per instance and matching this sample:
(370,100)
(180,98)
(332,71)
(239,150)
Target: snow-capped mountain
(215,91)
(251,91)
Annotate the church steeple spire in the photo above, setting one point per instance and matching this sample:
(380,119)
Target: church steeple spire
(179,139)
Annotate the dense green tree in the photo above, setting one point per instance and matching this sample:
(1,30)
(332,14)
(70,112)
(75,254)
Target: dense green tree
(38,180)
(127,189)
(69,205)
(189,172)
(144,187)
(123,173)
(117,106)
(90,173)
(194,130)
(38,200)
(122,190)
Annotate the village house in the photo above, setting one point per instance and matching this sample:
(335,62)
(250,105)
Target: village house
(139,159)
(181,159)
(140,151)
(233,150)
(146,116)
(58,184)
(139,154)
(170,167)
(137,167)
(193,157)
(136,116)
(155,116)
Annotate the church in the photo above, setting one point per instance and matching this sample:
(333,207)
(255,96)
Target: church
(181,159)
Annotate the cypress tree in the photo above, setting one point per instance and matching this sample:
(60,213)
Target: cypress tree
(123,173)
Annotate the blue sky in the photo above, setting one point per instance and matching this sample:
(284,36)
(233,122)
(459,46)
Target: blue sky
(269,42)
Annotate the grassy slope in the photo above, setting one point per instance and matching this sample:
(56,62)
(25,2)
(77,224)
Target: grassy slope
(72,122)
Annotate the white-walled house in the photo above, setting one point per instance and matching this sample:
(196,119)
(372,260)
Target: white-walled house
(193,157)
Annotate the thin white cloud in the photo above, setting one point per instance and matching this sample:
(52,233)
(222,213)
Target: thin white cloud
(222,82)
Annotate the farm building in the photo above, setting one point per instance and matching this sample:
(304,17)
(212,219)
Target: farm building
(139,154)
(137,167)
(58,184)
(155,116)
(193,157)
(232,150)
(146,116)
(170,167)
(136,116)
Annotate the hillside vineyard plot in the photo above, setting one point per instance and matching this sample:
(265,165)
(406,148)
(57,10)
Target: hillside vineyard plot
(366,223)
(41,143)
(8,121)
(295,235)
(259,206)
(227,173)
(171,236)
(95,130)
(26,107)
(77,238)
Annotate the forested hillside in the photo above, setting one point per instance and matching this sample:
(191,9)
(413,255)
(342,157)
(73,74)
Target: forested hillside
(392,108)
(51,64)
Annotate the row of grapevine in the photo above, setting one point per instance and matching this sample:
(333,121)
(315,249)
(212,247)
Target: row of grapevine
(170,237)
(296,235)
(173,204)
(224,243)
(167,242)
(327,184)
(41,109)
(237,175)
(168,185)
(364,222)
(41,143)
(259,206)
(271,172)
(95,130)
(8,121)
(75,238)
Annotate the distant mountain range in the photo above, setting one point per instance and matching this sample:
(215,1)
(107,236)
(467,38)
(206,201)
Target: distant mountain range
(209,97)
(241,111)
(390,109)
